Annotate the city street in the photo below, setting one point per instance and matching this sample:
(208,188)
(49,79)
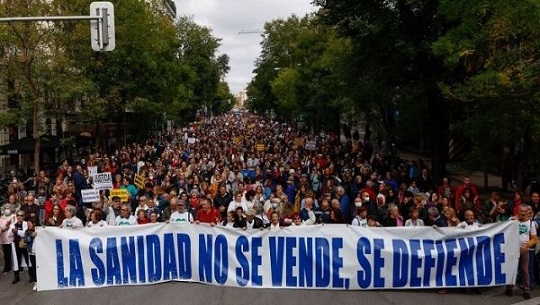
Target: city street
(192,293)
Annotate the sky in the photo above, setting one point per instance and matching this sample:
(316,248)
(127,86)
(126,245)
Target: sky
(228,17)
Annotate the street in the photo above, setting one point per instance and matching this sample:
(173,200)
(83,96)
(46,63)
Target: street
(192,293)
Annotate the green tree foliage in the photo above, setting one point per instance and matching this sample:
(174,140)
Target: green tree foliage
(296,73)
(493,53)
(392,67)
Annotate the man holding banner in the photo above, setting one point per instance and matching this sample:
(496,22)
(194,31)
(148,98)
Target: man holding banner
(527,240)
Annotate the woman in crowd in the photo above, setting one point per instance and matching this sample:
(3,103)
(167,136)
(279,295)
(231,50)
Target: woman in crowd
(56,218)
(96,219)
(29,236)
(16,232)
(71,221)
(6,219)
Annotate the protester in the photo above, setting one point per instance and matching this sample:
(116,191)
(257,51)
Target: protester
(71,221)
(19,251)
(527,239)
(6,219)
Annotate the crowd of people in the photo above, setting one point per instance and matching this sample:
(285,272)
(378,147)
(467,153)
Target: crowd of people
(251,172)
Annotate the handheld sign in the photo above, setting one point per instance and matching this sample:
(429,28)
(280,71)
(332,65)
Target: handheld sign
(91,195)
(139,181)
(102,181)
(122,193)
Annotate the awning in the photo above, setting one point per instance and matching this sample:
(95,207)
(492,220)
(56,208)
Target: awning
(25,146)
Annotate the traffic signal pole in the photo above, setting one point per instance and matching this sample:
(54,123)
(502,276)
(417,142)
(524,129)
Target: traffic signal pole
(101,24)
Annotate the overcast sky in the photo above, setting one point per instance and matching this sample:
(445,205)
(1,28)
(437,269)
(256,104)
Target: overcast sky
(228,17)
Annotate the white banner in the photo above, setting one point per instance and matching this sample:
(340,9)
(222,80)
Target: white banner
(92,170)
(311,257)
(90,195)
(102,181)
(311,145)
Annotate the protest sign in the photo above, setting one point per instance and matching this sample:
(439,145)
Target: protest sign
(139,181)
(91,195)
(122,193)
(102,181)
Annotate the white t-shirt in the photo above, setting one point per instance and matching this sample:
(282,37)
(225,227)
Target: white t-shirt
(413,223)
(465,225)
(233,205)
(131,221)
(526,229)
(101,223)
(72,223)
(178,217)
(359,221)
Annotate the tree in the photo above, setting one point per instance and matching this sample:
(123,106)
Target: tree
(392,65)
(492,53)
(297,72)
(23,48)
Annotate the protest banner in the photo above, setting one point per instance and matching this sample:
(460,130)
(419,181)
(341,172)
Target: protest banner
(139,181)
(311,145)
(122,193)
(102,181)
(92,170)
(91,195)
(308,257)
(260,147)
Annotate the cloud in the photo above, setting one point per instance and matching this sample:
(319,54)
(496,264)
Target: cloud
(228,17)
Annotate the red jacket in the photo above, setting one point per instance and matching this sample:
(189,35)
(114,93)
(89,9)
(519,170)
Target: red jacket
(213,216)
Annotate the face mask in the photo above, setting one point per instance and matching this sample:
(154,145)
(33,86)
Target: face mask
(366,199)
(358,204)
(7,212)
(274,205)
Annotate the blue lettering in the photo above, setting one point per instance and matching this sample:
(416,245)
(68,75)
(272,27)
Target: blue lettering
(141,260)
(61,279)
(129,263)
(450,278)
(113,263)
(242,272)
(305,257)
(170,270)
(290,262)
(483,260)
(378,263)
(429,261)
(221,259)
(416,263)
(205,258)
(154,258)
(401,263)
(322,262)
(465,270)
(363,276)
(440,263)
(98,273)
(276,259)
(337,262)
(256,261)
(184,256)
(76,273)
(498,240)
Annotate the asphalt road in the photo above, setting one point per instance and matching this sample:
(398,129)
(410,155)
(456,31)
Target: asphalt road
(194,293)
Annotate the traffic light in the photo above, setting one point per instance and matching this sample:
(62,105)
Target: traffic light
(102,28)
